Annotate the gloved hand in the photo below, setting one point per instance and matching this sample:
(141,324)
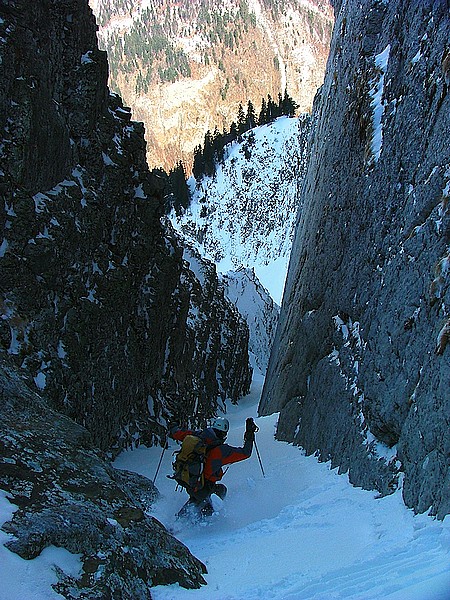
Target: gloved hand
(250,429)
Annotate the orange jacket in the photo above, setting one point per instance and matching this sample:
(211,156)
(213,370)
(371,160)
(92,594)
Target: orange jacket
(220,453)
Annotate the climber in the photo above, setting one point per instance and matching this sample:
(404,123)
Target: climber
(216,454)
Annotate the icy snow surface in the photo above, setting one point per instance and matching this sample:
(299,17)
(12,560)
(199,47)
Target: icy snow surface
(381,62)
(302,532)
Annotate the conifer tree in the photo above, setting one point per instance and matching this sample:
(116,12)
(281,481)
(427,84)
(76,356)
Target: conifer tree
(262,119)
(218,146)
(251,116)
(233,132)
(198,167)
(241,120)
(289,105)
(271,109)
(208,154)
(179,191)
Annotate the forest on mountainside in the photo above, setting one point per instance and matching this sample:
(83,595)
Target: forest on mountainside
(149,48)
(184,67)
(207,157)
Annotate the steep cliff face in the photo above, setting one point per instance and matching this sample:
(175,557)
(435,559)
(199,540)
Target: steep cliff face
(96,295)
(261,313)
(361,368)
(102,317)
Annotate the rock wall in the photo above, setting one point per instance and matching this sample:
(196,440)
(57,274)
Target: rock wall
(102,318)
(95,293)
(67,496)
(361,369)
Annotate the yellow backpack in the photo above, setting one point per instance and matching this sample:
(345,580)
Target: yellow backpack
(189,462)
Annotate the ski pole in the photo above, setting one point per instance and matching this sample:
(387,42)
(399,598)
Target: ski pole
(166,445)
(259,458)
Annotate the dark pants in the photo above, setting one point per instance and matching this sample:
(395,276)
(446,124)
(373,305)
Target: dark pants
(201,500)
(209,488)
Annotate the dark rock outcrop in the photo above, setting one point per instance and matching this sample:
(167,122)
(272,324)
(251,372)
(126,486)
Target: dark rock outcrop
(100,312)
(68,496)
(96,295)
(360,369)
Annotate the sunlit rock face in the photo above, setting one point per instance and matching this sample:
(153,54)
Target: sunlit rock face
(185,66)
(360,366)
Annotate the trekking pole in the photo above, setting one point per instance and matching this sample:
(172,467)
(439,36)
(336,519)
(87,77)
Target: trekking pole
(256,428)
(259,458)
(166,445)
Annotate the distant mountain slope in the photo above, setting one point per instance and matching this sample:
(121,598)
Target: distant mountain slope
(245,214)
(183,67)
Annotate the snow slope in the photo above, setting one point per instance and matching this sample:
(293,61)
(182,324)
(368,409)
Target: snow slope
(255,304)
(302,532)
(245,215)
